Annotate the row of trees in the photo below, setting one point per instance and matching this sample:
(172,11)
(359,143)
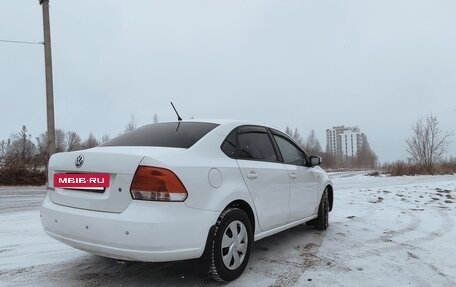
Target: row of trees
(23,159)
(426,147)
(365,157)
(20,149)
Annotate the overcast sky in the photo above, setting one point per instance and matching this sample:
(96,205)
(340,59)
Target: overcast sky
(379,65)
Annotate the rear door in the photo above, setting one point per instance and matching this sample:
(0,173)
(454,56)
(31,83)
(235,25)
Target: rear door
(264,175)
(303,181)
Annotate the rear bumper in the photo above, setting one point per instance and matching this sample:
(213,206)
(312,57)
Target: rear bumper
(145,231)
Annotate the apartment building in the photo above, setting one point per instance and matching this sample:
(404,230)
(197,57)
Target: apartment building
(344,141)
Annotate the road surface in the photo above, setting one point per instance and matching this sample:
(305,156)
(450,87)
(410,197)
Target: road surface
(384,231)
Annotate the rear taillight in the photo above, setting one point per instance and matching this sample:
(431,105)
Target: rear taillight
(159,184)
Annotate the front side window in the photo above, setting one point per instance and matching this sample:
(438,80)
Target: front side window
(256,146)
(290,153)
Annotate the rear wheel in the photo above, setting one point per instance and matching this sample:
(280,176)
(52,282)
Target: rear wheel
(233,238)
(321,222)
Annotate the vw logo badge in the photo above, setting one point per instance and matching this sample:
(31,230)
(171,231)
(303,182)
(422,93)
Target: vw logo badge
(79,161)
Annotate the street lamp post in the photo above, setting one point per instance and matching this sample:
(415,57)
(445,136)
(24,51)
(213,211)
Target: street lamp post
(49,83)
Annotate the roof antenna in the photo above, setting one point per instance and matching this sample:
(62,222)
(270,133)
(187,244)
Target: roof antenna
(178,117)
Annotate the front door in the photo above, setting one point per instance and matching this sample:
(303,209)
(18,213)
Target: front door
(303,182)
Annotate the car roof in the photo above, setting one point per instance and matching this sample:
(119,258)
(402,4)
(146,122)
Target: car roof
(229,122)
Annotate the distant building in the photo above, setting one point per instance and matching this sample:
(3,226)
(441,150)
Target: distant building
(344,141)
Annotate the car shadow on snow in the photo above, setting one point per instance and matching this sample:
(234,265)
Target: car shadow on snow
(92,270)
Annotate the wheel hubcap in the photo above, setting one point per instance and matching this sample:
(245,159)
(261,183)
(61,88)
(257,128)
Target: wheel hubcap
(234,244)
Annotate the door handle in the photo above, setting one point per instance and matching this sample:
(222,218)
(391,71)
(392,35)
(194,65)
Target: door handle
(293,175)
(252,175)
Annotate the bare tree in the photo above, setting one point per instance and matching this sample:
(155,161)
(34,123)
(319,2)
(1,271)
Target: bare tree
(60,141)
(312,145)
(295,135)
(3,146)
(428,143)
(328,160)
(73,141)
(131,125)
(20,152)
(42,152)
(19,164)
(91,142)
(365,156)
(61,145)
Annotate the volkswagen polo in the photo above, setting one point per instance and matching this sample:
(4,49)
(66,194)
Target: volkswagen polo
(185,189)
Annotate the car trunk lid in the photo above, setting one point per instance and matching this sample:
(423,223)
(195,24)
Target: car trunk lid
(119,162)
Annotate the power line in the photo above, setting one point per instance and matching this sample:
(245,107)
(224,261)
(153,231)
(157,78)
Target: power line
(21,42)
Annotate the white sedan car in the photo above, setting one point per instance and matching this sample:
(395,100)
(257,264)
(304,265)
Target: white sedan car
(186,189)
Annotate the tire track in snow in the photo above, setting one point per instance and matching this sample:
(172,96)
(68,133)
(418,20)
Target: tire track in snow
(387,242)
(389,234)
(447,224)
(308,258)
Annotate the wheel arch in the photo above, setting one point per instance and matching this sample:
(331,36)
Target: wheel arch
(244,206)
(238,203)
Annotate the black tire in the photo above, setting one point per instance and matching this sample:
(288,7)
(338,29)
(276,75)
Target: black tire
(321,222)
(229,219)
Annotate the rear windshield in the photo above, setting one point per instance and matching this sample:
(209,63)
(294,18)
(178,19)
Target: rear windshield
(175,134)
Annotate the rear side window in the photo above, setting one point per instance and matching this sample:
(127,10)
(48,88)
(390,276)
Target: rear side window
(256,146)
(174,134)
(229,145)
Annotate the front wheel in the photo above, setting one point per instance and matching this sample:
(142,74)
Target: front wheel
(321,222)
(233,238)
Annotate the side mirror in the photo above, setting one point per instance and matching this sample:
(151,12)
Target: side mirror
(315,160)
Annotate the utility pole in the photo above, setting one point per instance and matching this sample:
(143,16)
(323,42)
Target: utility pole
(49,84)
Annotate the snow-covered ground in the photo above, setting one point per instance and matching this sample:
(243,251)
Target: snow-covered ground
(384,231)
